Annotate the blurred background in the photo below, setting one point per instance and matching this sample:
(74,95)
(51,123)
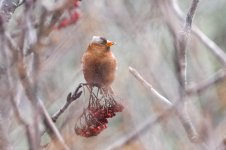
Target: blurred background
(145,43)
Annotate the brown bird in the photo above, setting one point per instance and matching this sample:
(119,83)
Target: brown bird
(99,63)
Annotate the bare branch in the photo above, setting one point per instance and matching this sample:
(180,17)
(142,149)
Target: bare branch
(182,45)
(141,129)
(181,113)
(216,50)
(51,128)
(9,84)
(149,86)
(181,64)
(203,85)
(70,98)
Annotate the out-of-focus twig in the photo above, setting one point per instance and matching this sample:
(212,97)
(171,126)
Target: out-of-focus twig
(4,142)
(181,45)
(141,129)
(149,86)
(183,117)
(181,72)
(9,85)
(28,90)
(203,85)
(51,128)
(212,46)
(149,123)
(27,85)
(29,42)
(180,40)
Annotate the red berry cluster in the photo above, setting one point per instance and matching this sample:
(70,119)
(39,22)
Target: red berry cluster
(72,19)
(88,125)
(94,118)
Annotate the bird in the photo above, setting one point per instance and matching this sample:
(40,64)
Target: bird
(99,63)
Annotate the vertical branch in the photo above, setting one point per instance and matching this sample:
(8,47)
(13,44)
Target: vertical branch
(51,128)
(9,84)
(215,49)
(180,44)
(181,66)
(29,40)
(4,143)
(29,84)
(29,91)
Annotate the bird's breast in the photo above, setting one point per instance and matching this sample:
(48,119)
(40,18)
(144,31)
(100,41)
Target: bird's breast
(99,69)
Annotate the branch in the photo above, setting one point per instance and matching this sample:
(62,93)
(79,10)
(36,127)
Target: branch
(216,50)
(70,98)
(203,85)
(51,128)
(9,84)
(181,64)
(148,86)
(29,91)
(150,122)
(182,114)
(181,45)
(141,129)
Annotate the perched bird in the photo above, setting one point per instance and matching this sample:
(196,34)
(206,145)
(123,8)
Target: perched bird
(99,63)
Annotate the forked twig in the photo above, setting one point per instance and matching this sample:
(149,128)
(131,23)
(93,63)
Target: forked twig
(70,98)
(216,50)
(181,64)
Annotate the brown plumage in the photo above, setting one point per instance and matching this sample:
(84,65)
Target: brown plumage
(99,63)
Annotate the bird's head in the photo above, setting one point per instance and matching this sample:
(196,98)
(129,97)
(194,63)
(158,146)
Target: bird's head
(101,42)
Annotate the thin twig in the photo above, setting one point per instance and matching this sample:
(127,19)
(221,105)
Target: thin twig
(141,129)
(203,85)
(70,98)
(149,86)
(51,128)
(150,122)
(182,114)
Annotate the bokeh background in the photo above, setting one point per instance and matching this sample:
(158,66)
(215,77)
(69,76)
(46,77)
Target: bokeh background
(145,43)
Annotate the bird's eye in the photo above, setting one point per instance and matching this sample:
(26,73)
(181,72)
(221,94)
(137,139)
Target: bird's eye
(103,40)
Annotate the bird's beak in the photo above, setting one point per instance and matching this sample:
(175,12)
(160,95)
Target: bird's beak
(110,43)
